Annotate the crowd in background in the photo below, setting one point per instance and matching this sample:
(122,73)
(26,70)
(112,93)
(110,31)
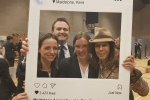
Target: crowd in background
(138,48)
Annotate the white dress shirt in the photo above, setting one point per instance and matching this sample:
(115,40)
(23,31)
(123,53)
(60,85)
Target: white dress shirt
(66,50)
(84,75)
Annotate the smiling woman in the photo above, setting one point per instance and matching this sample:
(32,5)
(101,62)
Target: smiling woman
(47,56)
(47,63)
(106,62)
(102,54)
(77,66)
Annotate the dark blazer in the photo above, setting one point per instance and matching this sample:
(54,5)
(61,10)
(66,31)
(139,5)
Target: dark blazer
(19,46)
(69,68)
(7,86)
(71,50)
(9,53)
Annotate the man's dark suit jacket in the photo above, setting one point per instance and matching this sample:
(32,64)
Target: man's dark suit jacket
(9,53)
(69,68)
(71,50)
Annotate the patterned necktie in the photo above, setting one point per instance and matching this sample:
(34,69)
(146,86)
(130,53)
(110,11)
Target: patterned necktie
(61,54)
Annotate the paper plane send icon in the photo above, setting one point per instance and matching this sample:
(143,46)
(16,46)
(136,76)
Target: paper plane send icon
(52,85)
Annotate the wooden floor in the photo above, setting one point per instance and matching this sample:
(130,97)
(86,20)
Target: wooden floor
(15,80)
(140,64)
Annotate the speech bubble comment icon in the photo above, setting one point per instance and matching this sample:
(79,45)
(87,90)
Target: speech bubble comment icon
(44,85)
(36,85)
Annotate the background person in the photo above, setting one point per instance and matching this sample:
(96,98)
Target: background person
(117,46)
(117,43)
(105,61)
(19,47)
(7,86)
(139,48)
(9,51)
(20,57)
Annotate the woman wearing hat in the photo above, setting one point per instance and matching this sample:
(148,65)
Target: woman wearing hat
(104,60)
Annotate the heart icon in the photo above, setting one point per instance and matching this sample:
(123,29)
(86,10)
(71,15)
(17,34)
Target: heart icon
(36,92)
(36,85)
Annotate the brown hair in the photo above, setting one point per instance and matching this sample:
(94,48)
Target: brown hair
(61,20)
(9,38)
(110,60)
(54,64)
(79,36)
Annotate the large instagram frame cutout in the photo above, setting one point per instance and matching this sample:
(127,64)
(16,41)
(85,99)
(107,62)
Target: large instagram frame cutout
(78,89)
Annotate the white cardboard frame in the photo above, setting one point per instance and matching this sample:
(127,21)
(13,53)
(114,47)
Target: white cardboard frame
(78,89)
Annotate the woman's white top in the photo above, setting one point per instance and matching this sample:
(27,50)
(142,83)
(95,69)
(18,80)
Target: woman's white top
(84,75)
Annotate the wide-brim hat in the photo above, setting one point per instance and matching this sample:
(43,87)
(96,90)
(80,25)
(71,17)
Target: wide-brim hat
(102,35)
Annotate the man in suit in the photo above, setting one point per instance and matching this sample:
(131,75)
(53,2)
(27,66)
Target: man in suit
(61,29)
(9,51)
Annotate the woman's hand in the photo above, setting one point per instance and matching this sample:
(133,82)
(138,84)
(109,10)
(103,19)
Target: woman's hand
(129,62)
(21,96)
(24,48)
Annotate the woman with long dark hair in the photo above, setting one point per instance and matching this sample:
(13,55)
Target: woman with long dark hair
(47,56)
(47,63)
(7,86)
(105,61)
